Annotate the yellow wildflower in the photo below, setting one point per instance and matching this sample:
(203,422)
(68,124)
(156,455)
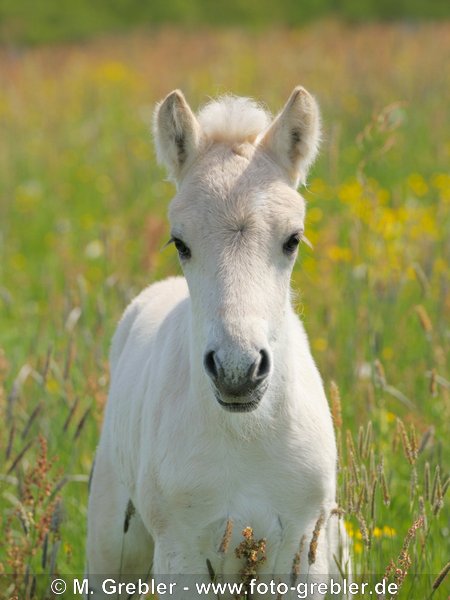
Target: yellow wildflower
(390,417)
(389,531)
(417,184)
(113,72)
(320,344)
(387,353)
(315,214)
(52,385)
(377,532)
(350,192)
(339,254)
(349,529)
(441,181)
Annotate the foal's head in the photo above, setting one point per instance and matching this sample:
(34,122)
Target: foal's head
(236,222)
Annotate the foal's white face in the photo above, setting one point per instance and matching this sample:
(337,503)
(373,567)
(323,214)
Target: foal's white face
(237,226)
(237,222)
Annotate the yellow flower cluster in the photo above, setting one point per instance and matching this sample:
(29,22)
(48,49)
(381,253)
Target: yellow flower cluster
(362,224)
(384,532)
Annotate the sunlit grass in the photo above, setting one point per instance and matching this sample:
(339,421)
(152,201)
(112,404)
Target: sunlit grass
(82,215)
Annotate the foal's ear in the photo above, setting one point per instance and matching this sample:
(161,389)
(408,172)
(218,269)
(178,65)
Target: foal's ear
(293,138)
(177,134)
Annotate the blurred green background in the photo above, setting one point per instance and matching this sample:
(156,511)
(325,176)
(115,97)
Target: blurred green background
(34,21)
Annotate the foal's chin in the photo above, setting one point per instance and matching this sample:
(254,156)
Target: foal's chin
(240,404)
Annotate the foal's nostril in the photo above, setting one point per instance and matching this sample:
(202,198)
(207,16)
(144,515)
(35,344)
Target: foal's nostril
(260,368)
(210,365)
(237,380)
(264,365)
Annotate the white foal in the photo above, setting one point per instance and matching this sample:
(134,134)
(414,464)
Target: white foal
(216,409)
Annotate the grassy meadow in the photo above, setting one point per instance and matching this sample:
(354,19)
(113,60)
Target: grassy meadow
(83,220)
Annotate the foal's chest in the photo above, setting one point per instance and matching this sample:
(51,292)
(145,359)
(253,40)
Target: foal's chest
(250,483)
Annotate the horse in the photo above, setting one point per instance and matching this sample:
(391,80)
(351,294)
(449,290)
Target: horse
(216,418)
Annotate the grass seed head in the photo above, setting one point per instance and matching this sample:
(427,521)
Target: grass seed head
(436,485)
(423,511)
(413,485)
(336,407)
(442,575)
(224,544)
(424,319)
(383,483)
(380,376)
(315,538)
(409,447)
(363,529)
(295,571)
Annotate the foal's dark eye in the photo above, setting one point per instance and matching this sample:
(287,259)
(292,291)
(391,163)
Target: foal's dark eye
(290,245)
(183,250)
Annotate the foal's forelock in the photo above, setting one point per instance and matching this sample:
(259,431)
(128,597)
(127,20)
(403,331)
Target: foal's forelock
(291,139)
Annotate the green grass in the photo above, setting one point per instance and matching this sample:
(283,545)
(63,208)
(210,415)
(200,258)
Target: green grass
(82,214)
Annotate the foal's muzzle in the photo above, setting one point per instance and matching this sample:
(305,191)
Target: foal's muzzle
(239,388)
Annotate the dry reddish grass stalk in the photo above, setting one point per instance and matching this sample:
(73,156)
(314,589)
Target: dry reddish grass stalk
(36,512)
(398,570)
(315,538)
(224,544)
(295,572)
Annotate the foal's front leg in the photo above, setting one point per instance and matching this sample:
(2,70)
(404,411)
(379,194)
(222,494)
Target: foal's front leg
(182,564)
(119,546)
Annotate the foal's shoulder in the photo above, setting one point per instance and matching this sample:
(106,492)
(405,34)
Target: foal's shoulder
(147,310)
(170,290)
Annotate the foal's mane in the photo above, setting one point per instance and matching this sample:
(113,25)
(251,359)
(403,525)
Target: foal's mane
(232,119)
